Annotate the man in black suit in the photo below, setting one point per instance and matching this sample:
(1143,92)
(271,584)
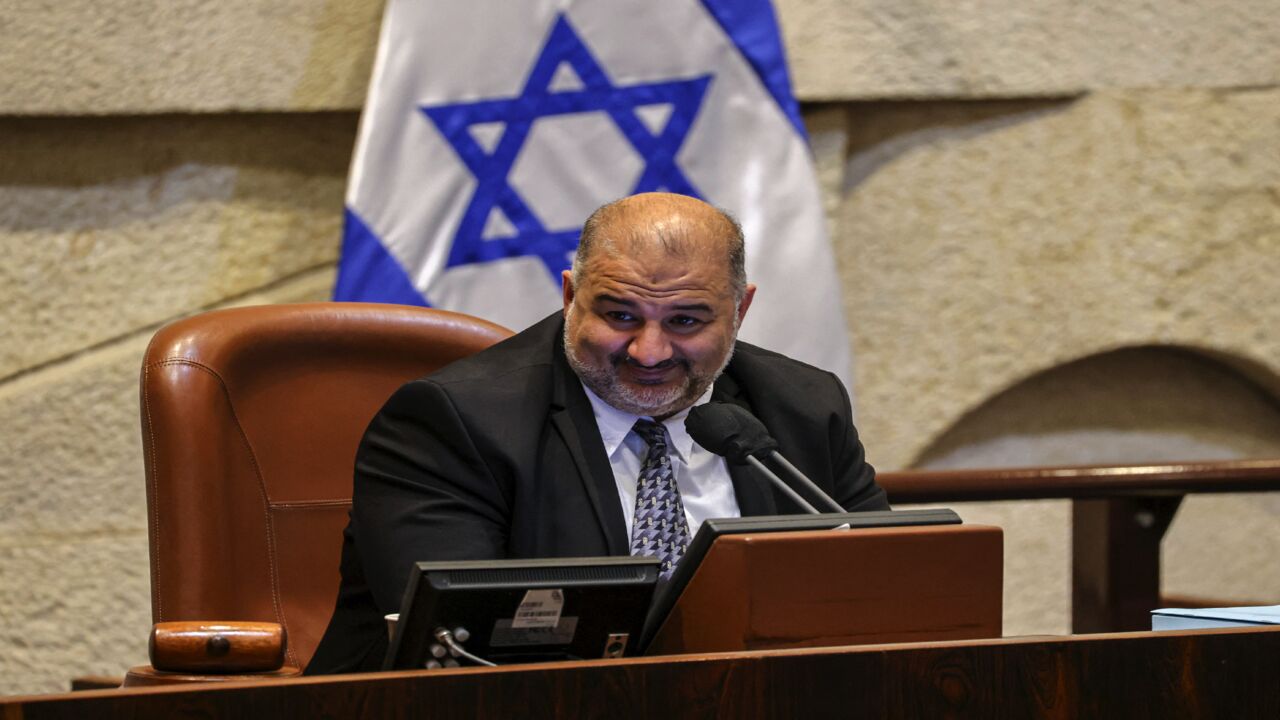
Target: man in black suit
(523,450)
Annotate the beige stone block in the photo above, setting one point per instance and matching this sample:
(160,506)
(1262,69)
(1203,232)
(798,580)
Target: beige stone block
(309,287)
(1004,48)
(71,453)
(1224,547)
(71,606)
(109,225)
(977,253)
(828,141)
(117,56)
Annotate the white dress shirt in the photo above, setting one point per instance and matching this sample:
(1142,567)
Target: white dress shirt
(703,477)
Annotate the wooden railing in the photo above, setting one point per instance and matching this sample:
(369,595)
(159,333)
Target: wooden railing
(1119,516)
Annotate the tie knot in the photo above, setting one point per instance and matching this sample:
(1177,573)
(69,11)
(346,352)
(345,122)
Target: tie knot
(651,432)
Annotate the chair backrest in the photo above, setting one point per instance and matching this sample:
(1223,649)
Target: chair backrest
(250,421)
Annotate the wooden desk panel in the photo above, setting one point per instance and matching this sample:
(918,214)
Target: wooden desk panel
(1218,673)
(823,588)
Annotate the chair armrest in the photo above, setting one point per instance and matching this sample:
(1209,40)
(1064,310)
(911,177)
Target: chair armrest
(217,646)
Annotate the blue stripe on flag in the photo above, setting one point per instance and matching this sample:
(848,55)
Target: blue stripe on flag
(753,27)
(367,272)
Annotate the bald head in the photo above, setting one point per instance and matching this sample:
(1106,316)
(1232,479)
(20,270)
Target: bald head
(678,225)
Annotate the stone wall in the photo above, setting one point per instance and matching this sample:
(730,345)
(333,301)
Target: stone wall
(1013,187)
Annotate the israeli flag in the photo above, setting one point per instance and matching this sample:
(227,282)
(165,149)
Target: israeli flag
(493,128)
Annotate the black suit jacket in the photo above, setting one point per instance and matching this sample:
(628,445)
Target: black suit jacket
(499,456)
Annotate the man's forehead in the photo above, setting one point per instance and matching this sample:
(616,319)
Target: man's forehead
(673,284)
(671,236)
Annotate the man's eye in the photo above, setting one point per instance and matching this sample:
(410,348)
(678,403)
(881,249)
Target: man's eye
(685,321)
(619,316)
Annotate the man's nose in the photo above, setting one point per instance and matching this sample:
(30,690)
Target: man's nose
(650,345)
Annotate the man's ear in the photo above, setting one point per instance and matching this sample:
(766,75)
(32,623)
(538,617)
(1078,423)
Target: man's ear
(566,286)
(747,295)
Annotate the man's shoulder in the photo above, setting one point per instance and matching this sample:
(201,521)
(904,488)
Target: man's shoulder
(769,379)
(515,371)
(754,360)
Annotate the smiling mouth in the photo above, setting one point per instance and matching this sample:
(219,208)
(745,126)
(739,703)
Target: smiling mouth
(651,374)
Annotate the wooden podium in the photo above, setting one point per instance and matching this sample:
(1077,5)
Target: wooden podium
(783,590)
(840,587)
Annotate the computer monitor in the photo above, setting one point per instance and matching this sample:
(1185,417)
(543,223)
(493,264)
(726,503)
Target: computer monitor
(510,611)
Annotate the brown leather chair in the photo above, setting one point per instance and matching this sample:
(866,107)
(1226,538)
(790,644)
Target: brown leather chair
(250,421)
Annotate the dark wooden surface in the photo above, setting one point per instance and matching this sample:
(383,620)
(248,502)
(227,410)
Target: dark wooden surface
(1119,516)
(1115,570)
(1083,481)
(148,676)
(1219,673)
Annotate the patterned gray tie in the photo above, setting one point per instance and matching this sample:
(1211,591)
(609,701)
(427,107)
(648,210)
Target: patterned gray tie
(659,528)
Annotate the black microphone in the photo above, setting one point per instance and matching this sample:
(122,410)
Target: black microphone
(729,431)
(732,432)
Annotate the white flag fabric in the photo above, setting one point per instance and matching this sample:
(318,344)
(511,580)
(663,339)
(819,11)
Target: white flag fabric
(493,128)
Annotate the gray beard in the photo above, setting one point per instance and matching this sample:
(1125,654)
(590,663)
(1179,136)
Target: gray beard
(656,402)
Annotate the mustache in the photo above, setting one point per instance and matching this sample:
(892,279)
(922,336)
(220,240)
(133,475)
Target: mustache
(622,358)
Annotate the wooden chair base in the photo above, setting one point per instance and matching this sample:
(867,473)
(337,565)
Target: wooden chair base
(147,676)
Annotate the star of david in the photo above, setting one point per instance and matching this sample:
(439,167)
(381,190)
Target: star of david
(538,99)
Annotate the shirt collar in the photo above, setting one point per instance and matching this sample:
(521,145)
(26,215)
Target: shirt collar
(615,424)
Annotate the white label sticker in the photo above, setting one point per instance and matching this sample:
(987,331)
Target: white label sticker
(506,636)
(539,609)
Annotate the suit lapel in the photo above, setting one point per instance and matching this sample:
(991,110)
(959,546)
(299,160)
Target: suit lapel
(573,419)
(753,491)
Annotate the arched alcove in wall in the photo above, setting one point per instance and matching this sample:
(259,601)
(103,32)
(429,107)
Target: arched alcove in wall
(1131,405)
